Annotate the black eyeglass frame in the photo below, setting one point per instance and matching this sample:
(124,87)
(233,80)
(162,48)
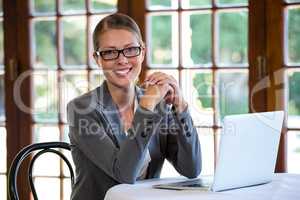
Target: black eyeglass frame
(100,53)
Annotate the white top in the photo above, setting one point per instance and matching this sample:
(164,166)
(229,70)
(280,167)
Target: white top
(283,187)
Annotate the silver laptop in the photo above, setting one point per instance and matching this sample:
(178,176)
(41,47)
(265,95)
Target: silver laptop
(247,154)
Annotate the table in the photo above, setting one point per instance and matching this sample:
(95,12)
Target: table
(283,187)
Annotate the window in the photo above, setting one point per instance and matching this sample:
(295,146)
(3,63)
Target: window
(292,73)
(204,45)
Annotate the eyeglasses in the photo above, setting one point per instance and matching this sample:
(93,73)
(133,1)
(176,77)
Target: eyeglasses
(113,54)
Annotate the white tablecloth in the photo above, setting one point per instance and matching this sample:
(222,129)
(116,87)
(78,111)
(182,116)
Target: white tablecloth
(283,187)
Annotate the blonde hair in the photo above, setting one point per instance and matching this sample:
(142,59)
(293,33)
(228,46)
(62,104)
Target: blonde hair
(116,21)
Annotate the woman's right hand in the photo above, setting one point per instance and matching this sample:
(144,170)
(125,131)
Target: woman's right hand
(154,94)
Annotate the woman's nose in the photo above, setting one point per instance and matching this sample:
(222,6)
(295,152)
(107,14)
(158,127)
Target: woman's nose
(122,59)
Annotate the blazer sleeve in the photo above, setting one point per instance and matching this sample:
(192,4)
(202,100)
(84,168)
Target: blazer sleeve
(123,162)
(183,147)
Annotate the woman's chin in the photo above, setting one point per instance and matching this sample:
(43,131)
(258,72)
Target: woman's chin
(121,83)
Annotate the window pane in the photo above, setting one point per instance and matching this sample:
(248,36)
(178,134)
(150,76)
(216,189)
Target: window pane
(46,133)
(232,2)
(65,137)
(45,43)
(96,78)
(293,157)
(2,98)
(66,171)
(159,5)
(233,93)
(3,187)
(1,45)
(196,41)
(73,6)
(42,6)
(198,93)
(47,188)
(2,150)
(74,83)
(196,3)
(104,5)
(94,20)
(74,31)
(292,1)
(163,40)
(67,188)
(48,163)
(206,138)
(45,96)
(233,38)
(293,35)
(294,99)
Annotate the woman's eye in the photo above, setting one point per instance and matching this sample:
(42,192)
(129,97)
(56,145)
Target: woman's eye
(131,50)
(107,52)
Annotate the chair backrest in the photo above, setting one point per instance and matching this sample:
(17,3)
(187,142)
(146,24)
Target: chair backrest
(23,154)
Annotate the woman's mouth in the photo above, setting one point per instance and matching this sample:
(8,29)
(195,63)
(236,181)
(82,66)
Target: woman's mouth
(123,72)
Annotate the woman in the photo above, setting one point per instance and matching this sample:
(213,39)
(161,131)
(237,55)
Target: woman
(121,133)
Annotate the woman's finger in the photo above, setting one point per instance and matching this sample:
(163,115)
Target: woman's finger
(155,77)
(150,77)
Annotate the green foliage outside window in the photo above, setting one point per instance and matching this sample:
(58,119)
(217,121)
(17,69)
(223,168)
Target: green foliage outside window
(294,36)
(165,3)
(294,94)
(45,38)
(201,38)
(202,83)
(161,39)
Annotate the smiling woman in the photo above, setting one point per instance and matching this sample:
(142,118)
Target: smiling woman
(120,132)
(125,51)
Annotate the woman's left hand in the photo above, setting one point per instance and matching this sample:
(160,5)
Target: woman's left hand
(175,97)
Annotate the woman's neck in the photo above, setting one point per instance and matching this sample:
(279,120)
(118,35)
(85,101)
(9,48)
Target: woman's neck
(122,97)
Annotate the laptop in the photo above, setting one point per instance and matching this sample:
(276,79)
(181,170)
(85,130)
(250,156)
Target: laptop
(247,154)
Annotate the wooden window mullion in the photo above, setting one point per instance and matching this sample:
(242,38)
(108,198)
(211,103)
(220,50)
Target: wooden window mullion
(274,54)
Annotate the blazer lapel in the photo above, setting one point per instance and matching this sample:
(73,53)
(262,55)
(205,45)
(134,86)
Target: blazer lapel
(110,113)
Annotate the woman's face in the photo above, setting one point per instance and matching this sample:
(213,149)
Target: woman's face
(122,71)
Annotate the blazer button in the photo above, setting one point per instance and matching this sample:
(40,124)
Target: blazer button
(149,122)
(188,134)
(186,128)
(148,130)
(182,120)
(143,134)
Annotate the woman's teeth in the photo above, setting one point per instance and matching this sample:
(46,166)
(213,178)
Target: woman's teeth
(122,72)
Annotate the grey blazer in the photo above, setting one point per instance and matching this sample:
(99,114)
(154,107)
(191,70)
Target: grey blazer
(104,156)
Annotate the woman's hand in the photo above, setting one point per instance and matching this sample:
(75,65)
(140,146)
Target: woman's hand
(154,94)
(173,96)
